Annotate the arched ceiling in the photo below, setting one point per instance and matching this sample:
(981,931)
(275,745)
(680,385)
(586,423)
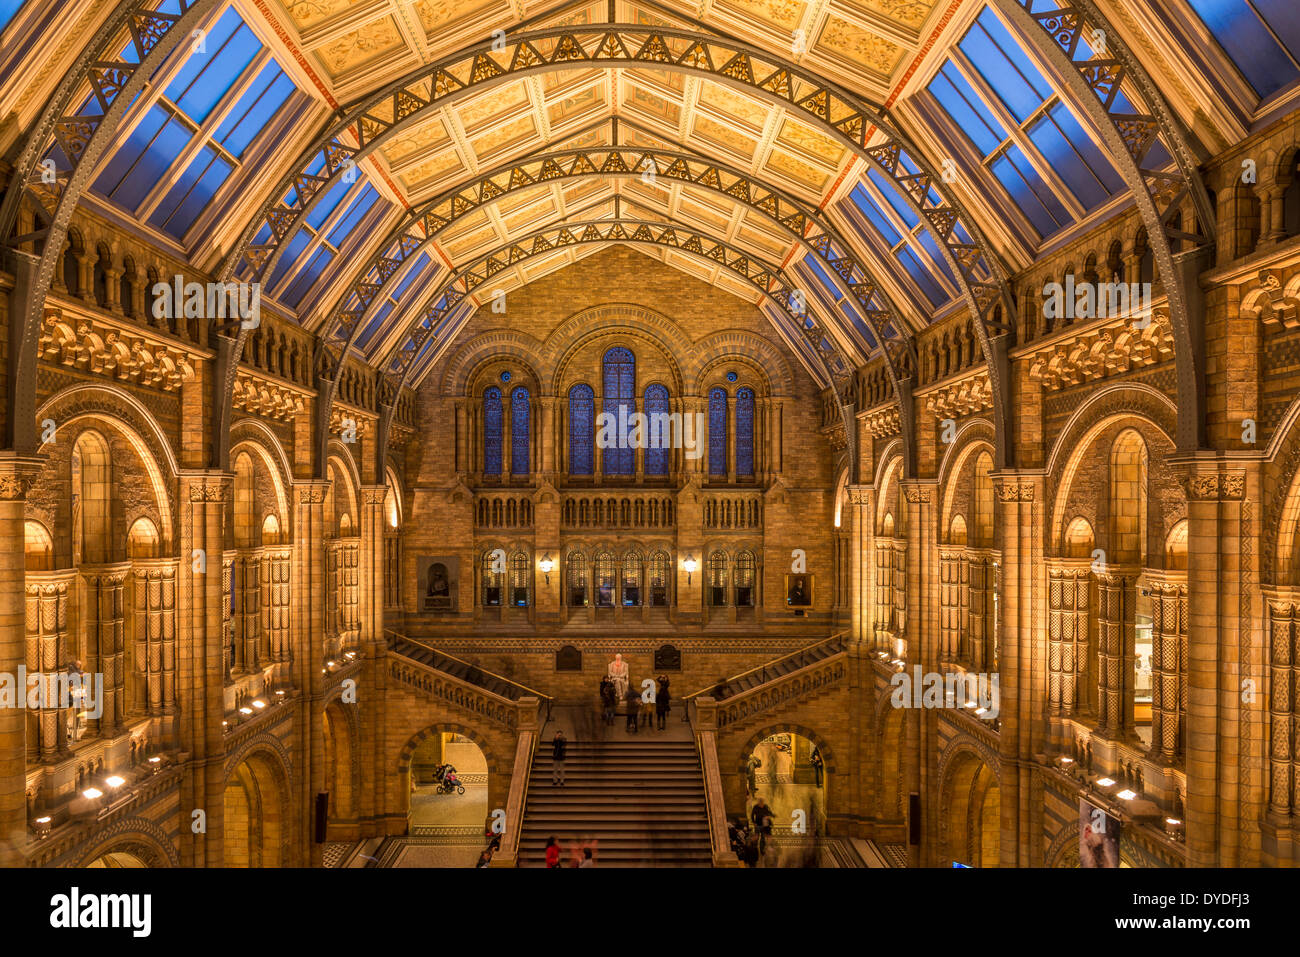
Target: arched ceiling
(207,147)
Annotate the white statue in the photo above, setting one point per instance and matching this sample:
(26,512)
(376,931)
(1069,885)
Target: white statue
(618,675)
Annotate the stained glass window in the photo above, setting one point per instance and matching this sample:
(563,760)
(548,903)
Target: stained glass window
(620,392)
(492,431)
(519,416)
(718,432)
(520,577)
(659,438)
(745,432)
(582,403)
(493,578)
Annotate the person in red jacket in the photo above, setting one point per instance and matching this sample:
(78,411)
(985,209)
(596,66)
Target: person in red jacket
(552,851)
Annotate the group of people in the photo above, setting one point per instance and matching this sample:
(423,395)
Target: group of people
(643,710)
(749,838)
(582,856)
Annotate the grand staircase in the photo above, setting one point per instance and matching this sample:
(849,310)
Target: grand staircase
(638,800)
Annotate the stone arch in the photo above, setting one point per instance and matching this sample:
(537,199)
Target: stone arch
(342,756)
(255,437)
(466,365)
(141,837)
(756,352)
(969,827)
(1134,401)
(973,436)
(785,727)
(259,818)
(887,495)
(404,756)
(632,321)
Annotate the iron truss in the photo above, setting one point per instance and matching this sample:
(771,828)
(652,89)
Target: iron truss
(59,158)
(365,126)
(804,224)
(1090,56)
(451,294)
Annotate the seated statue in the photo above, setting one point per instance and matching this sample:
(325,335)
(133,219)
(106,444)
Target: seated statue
(619,675)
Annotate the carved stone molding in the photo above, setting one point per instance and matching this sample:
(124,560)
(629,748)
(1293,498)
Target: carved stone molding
(102,349)
(882,423)
(374,495)
(1009,491)
(311,494)
(917,494)
(1100,353)
(209,492)
(14,487)
(957,399)
(860,494)
(1215,487)
(264,397)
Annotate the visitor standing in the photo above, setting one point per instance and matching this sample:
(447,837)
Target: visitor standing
(817,764)
(633,701)
(608,700)
(751,772)
(762,817)
(662,702)
(552,851)
(559,748)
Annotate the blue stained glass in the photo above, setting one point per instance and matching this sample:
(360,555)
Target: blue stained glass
(582,407)
(620,391)
(745,432)
(656,453)
(1262,61)
(519,418)
(717,431)
(492,431)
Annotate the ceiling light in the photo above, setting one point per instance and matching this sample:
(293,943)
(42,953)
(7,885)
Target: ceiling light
(1105,782)
(115,781)
(1126,795)
(91,794)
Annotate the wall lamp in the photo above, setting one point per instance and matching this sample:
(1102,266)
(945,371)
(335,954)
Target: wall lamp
(690,565)
(547,565)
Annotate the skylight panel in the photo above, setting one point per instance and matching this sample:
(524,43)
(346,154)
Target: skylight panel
(967,110)
(1005,66)
(1029,192)
(296,247)
(1262,38)
(8,10)
(921,276)
(1073,155)
(869,209)
(191,194)
(307,276)
(364,202)
(255,109)
(890,192)
(144,159)
(217,60)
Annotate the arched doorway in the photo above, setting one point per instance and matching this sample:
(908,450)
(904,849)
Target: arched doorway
(969,809)
(436,810)
(117,859)
(339,776)
(787,771)
(255,805)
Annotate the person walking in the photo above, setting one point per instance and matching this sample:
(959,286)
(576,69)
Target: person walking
(648,709)
(633,702)
(662,702)
(559,747)
(762,818)
(552,851)
(818,764)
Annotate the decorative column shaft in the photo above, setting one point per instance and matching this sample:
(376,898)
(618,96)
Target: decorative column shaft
(276,597)
(248,598)
(1115,624)
(47,642)
(105,629)
(154,616)
(1067,634)
(1168,665)
(952,606)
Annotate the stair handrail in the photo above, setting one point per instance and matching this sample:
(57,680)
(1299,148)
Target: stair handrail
(546,699)
(838,637)
(706,747)
(517,800)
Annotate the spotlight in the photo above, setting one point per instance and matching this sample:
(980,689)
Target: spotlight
(42,827)
(92,794)
(690,565)
(245,710)
(115,780)
(547,565)
(1105,782)
(1126,795)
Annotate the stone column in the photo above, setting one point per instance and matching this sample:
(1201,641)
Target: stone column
(1067,637)
(979,609)
(1168,663)
(373,648)
(154,617)
(248,601)
(200,654)
(1022,660)
(309,587)
(1284,718)
(105,624)
(862,564)
(951,606)
(1116,601)
(921,641)
(47,642)
(227,615)
(276,577)
(17,473)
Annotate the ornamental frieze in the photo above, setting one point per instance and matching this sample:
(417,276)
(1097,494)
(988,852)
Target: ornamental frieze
(1014,491)
(208,492)
(101,349)
(1215,487)
(1101,353)
(311,494)
(966,397)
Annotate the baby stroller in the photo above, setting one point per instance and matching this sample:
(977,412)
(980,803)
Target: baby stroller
(447,780)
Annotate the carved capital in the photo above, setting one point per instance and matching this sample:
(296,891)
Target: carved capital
(860,494)
(1215,487)
(1012,491)
(374,495)
(311,494)
(208,492)
(917,494)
